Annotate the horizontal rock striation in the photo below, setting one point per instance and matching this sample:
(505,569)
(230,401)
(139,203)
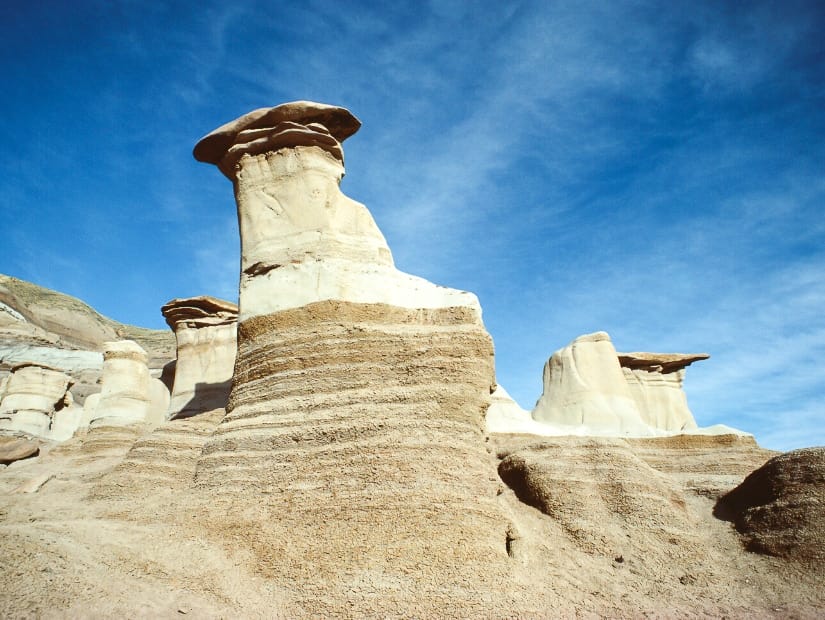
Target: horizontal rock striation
(361,424)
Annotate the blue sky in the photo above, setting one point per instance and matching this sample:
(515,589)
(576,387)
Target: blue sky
(652,169)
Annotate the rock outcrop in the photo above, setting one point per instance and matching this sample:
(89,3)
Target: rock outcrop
(584,386)
(780,508)
(358,396)
(129,394)
(36,400)
(205,329)
(655,381)
(591,389)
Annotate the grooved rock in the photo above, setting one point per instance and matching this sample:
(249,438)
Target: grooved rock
(205,329)
(357,403)
(584,386)
(780,508)
(129,394)
(37,401)
(656,381)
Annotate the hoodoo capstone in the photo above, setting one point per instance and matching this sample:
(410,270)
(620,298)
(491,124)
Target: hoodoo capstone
(358,395)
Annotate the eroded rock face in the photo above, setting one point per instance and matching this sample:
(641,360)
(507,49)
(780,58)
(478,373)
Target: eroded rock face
(129,394)
(205,328)
(655,381)
(358,396)
(591,389)
(303,240)
(584,386)
(780,508)
(37,401)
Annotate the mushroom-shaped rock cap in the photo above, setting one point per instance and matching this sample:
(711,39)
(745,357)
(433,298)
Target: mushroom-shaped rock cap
(340,122)
(200,307)
(669,362)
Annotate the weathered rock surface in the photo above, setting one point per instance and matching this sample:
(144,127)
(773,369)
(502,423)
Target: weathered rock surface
(357,405)
(129,394)
(205,329)
(584,386)
(656,381)
(17,448)
(780,508)
(36,400)
(44,327)
(591,389)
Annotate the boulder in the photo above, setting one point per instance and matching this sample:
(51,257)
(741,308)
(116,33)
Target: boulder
(779,509)
(17,448)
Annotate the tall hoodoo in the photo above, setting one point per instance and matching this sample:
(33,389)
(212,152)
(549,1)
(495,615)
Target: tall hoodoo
(359,392)
(205,329)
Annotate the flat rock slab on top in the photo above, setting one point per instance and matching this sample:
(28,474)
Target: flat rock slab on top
(340,122)
(669,362)
(199,307)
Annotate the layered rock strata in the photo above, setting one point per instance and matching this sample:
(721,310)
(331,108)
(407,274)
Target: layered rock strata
(589,386)
(205,329)
(129,394)
(354,425)
(36,400)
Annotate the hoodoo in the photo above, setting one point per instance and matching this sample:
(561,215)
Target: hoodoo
(205,329)
(356,413)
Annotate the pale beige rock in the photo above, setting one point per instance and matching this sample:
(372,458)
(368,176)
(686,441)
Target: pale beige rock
(129,394)
(357,401)
(305,239)
(584,386)
(206,332)
(32,396)
(34,484)
(656,381)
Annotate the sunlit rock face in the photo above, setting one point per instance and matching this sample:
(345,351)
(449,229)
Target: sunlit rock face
(358,396)
(205,329)
(584,386)
(129,394)
(303,240)
(36,400)
(655,381)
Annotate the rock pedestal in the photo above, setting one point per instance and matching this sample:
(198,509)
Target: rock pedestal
(37,401)
(129,394)
(354,426)
(655,381)
(205,329)
(584,385)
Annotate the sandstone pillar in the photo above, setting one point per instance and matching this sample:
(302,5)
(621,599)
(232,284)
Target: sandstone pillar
(355,419)
(34,395)
(655,381)
(129,394)
(205,329)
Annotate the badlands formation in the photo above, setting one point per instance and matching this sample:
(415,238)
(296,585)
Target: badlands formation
(336,444)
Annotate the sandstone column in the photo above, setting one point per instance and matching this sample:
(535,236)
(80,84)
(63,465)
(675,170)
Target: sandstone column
(354,426)
(129,394)
(655,381)
(205,329)
(34,395)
